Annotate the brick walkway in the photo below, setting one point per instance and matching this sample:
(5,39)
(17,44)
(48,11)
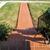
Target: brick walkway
(24,19)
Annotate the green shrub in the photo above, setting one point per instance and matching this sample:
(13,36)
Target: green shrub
(44,21)
(4,30)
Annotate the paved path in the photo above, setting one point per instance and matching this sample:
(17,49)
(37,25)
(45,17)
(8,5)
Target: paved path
(24,19)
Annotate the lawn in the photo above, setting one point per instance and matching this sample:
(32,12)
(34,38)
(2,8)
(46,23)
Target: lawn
(9,12)
(37,9)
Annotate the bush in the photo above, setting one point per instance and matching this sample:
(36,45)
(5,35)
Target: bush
(4,30)
(44,21)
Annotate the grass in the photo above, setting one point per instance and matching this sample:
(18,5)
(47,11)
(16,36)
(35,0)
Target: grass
(9,13)
(37,9)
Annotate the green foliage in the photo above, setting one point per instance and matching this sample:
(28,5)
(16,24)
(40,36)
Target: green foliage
(44,21)
(4,30)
